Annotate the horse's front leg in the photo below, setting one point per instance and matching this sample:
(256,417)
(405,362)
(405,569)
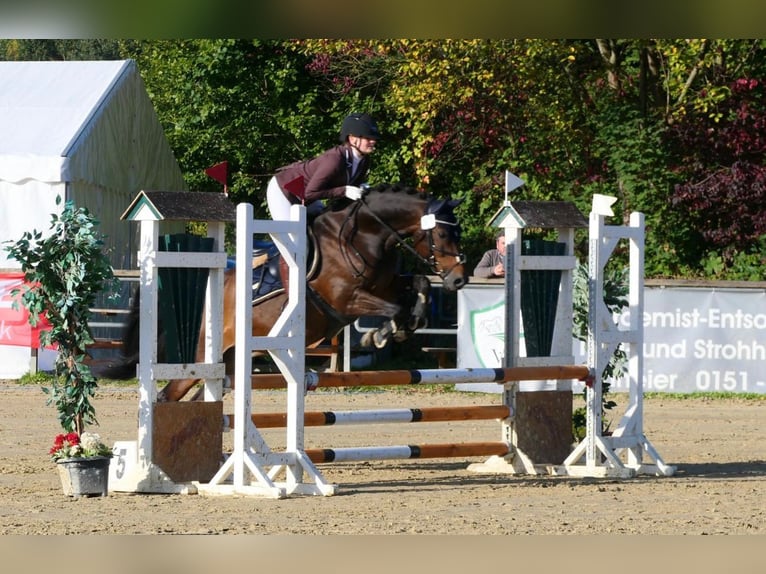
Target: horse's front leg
(421,292)
(175,390)
(412,314)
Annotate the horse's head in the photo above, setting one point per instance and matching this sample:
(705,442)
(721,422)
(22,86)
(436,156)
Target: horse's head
(429,222)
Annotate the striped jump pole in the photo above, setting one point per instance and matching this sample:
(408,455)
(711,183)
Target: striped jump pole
(452,450)
(414,415)
(426,377)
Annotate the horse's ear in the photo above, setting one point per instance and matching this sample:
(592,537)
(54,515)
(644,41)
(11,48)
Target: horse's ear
(436,205)
(453,203)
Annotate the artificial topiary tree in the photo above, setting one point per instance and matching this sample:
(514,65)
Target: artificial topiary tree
(616,299)
(64,274)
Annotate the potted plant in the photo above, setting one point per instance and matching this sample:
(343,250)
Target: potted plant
(83,463)
(64,273)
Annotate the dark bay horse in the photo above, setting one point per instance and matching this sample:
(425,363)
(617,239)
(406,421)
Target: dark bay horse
(354,272)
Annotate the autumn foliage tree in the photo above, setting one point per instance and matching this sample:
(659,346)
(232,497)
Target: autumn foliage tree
(672,127)
(721,159)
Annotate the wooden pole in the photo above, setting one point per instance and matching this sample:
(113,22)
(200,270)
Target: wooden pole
(450,450)
(432,414)
(427,377)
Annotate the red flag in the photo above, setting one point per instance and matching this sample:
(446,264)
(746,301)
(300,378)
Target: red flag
(219,172)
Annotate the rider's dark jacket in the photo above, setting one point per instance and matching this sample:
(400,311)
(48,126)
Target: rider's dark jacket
(323,177)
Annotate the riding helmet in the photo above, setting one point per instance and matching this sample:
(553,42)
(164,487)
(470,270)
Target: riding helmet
(359,125)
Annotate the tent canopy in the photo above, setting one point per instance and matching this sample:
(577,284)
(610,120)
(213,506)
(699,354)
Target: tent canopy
(85,131)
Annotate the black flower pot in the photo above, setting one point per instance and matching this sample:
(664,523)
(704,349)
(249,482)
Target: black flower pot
(87,476)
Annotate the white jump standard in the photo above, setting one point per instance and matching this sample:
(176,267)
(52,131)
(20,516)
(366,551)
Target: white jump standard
(599,455)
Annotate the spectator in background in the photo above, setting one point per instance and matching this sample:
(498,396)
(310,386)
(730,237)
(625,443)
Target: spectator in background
(491,263)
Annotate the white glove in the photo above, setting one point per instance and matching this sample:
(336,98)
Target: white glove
(353,192)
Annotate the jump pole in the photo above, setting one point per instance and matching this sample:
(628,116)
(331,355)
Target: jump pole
(425,377)
(502,412)
(411,415)
(401,452)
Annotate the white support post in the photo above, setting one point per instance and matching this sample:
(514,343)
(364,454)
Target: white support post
(561,347)
(147,391)
(214,313)
(517,461)
(603,455)
(133,469)
(252,467)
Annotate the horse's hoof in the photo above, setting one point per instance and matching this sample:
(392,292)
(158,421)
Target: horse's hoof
(366,340)
(401,336)
(379,341)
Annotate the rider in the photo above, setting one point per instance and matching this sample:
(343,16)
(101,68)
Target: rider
(337,172)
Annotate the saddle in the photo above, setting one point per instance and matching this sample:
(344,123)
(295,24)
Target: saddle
(266,279)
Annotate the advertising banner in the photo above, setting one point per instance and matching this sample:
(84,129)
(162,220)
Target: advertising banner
(14,323)
(704,340)
(695,339)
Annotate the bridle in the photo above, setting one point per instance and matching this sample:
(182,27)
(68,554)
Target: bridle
(428,223)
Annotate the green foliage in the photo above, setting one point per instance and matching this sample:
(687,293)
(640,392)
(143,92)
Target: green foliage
(570,117)
(248,102)
(615,298)
(579,423)
(38,378)
(92,49)
(747,265)
(65,272)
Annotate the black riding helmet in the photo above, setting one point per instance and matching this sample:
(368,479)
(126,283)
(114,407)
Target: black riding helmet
(359,125)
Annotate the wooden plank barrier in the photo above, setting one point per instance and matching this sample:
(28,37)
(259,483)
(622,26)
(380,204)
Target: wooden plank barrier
(413,415)
(433,414)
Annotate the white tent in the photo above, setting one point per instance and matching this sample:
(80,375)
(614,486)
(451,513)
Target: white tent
(85,131)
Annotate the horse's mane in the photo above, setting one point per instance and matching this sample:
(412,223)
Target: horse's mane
(382,195)
(389,188)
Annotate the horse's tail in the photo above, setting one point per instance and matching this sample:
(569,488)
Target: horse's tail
(124,367)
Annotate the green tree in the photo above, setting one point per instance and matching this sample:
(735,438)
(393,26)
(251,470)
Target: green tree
(39,50)
(571,117)
(250,103)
